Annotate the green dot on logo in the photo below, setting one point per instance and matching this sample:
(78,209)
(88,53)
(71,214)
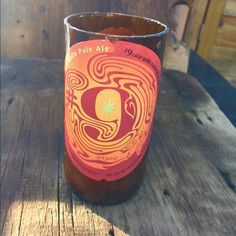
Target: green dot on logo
(108,107)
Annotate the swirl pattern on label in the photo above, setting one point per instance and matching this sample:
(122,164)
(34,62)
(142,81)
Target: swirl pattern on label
(110,97)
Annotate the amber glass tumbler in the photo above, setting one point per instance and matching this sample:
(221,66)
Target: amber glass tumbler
(112,77)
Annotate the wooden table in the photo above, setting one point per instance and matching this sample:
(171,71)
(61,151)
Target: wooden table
(189,187)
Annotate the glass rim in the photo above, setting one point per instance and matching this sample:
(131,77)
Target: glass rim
(81,14)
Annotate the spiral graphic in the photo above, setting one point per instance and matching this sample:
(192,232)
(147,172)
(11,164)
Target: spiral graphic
(109,109)
(76,80)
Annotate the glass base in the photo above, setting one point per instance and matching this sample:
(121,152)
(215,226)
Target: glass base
(103,192)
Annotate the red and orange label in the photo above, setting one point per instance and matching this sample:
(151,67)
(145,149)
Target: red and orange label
(110,96)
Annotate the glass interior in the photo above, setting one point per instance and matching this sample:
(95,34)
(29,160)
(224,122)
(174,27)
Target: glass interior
(115,24)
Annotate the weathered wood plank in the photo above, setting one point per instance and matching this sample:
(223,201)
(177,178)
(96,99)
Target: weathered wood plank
(156,9)
(189,187)
(29,149)
(37,29)
(176,57)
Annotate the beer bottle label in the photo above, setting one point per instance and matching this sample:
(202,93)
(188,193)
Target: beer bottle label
(110,97)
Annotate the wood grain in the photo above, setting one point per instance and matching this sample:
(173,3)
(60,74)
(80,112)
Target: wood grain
(222,53)
(226,33)
(229,53)
(213,16)
(177,57)
(180,14)
(189,187)
(230,8)
(227,68)
(35,28)
(195,22)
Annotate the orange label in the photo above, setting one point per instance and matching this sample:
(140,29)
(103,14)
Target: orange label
(110,96)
